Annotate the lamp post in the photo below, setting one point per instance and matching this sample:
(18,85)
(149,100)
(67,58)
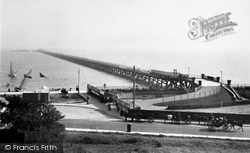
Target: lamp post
(188,71)
(221,76)
(78,80)
(134,87)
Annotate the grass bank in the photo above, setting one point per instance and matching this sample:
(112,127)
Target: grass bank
(212,101)
(243,91)
(105,143)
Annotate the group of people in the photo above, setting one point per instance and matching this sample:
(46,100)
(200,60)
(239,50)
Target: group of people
(177,118)
(226,123)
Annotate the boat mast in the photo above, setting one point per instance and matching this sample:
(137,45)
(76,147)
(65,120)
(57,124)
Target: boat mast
(11,69)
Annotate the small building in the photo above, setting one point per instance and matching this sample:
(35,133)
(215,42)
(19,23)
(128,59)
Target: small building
(40,95)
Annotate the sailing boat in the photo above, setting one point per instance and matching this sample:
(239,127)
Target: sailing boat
(25,81)
(13,70)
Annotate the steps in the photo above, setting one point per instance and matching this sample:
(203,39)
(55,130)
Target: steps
(234,94)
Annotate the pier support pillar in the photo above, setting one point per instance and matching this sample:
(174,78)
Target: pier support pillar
(229,82)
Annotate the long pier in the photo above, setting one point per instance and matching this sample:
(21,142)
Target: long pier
(154,78)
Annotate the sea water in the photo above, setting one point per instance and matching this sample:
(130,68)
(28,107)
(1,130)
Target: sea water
(59,73)
(63,74)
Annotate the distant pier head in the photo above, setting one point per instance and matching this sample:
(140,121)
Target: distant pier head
(152,78)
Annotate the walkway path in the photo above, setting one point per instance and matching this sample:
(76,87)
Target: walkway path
(94,110)
(156,127)
(158,134)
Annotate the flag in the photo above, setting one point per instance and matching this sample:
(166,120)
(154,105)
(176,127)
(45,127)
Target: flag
(27,76)
(43,76)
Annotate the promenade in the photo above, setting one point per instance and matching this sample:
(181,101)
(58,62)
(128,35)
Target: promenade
(92,111)
(95,116)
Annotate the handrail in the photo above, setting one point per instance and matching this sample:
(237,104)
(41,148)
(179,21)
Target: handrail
(232,93)
(236,94)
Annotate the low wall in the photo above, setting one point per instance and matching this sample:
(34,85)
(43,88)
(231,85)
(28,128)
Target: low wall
(161,92)
(163,114)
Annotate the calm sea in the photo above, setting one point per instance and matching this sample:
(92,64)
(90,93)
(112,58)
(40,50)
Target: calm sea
(61,73)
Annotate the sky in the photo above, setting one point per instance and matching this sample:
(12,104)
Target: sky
(118,24)
(118,27)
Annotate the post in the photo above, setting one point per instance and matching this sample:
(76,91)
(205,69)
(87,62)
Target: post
(134,87)
(78,80)
(202,76)
(128,127)
(104,86)
(200,83)
(193,83)
(221,77)
(188,71)
(39,83)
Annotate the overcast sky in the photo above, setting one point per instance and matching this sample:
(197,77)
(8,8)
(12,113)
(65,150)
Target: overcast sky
(118,24)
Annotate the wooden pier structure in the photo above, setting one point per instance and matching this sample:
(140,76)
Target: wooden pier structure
(153,78)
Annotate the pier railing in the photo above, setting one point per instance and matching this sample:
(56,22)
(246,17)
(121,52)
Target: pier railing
(119,87)
(166,98)
(194,76)
(240,85)
(193,95)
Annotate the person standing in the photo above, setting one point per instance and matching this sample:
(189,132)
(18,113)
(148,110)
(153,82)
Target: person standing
(88,98)
(109,106)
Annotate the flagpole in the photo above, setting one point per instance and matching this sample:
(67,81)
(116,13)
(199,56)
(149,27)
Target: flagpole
(133,87)
(39,83)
